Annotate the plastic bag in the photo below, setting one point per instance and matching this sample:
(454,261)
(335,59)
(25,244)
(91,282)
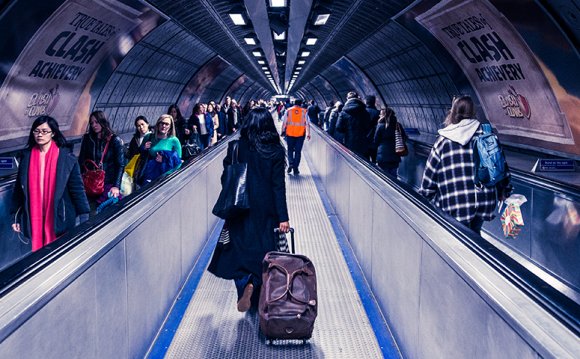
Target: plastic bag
(512,220)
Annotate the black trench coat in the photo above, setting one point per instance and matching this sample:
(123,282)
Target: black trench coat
(252,235)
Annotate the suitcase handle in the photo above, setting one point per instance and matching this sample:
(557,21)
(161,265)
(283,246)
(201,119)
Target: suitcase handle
(277,232)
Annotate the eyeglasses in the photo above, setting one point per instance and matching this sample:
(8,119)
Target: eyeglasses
(41,132)
(164,124)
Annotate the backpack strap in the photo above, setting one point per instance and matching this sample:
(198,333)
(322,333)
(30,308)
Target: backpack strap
(486,128)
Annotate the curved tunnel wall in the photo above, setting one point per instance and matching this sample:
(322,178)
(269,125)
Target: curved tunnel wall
(411,70)
(402,63)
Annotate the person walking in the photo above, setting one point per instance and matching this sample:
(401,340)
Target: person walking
(387,158)
(449,177)
(252,234)
(48,194)
(313,111)
(296,127)
(354,122)
(370,102)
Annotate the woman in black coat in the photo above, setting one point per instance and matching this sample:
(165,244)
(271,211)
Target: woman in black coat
(252,234)
(387,158)
(59,198)
(92,148)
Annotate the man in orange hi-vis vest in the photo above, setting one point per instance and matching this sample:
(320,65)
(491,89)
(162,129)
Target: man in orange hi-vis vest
(296,127)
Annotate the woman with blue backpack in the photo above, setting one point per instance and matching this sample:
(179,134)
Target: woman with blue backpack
(456,179)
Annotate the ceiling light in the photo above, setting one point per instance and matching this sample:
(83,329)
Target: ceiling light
(261,62)
(252,41)
(264,67)
(257,53)
(311,40)
(278,3)
(281,36)
(305,54)
(237,17)
(321,19)
(321,15)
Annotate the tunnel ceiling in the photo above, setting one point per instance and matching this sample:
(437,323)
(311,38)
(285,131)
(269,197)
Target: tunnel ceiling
(281,66)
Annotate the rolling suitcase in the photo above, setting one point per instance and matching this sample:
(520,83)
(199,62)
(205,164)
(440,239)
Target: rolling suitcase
(288,297)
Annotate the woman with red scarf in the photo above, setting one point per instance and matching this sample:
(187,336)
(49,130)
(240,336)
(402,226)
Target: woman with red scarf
(49,192)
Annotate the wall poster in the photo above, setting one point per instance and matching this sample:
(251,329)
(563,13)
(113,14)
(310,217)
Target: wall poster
(512,88)
(53,69)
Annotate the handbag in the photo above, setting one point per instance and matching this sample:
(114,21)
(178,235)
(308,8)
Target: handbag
(94,179)
(126,184)
(191,148)
(132,164)
(400,145)
(281,241)
(233,199)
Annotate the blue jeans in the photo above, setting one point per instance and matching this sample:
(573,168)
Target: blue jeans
(294,150)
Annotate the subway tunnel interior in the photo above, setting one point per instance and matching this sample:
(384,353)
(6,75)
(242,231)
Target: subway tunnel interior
(519,60)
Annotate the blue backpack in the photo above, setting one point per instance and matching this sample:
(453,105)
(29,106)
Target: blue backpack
(490,164)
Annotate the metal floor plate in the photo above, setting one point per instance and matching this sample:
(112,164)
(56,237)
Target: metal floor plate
(213,328)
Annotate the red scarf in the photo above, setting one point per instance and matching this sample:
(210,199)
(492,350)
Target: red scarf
(42,202)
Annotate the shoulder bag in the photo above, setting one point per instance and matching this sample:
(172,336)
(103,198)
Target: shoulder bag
(233,200)
(400,145)
(191,148)
(94,177)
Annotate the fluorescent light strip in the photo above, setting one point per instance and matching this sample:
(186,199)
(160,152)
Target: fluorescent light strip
(238,19)
(278,3)
(250,40)
(311,41)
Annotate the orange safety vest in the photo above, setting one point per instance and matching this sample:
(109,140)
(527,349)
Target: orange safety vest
(296,121)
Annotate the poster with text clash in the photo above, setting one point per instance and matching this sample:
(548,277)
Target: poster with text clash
(51,72)
(512,88)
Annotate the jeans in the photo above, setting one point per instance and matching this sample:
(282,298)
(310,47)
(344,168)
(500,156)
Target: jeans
(294,150)
(475,224)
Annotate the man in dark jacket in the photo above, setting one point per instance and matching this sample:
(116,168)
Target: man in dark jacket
(354,121)
(374,115)
(313,111)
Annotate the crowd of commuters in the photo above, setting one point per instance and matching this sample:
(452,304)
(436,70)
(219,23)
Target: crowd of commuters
(449,177)
(51,194)
(51,180)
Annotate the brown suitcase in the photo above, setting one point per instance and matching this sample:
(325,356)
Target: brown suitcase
(288,300)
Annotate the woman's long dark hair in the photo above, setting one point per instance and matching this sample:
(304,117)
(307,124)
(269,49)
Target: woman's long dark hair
(101,118)
(462,108)
(179,116)
(259,129)
(57,136)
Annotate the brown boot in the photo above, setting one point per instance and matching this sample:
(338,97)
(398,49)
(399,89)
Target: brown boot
(246,300)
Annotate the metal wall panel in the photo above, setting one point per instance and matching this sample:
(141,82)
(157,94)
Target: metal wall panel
(396,262)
